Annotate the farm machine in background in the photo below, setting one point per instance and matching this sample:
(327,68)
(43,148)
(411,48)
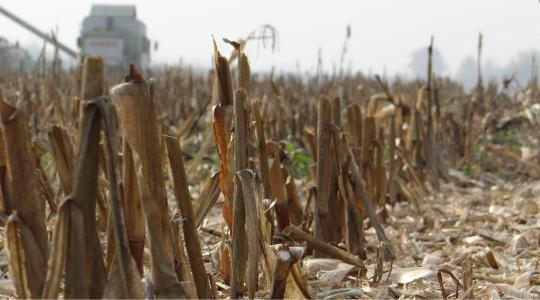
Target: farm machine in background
(110,31)
(114,33)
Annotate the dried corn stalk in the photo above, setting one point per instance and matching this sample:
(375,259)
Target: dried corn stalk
(85,191)
(321,213)
(239,247)
(183,200)
(222,119)
(245,181)
(23,196)
(138,120)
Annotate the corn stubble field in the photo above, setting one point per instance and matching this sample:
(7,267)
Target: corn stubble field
(233,185)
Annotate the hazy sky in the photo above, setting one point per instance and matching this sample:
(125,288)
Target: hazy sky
(384,32)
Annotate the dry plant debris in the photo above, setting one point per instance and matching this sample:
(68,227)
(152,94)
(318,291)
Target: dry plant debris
(222,186)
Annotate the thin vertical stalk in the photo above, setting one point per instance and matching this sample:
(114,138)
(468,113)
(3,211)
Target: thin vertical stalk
(321,211)
(183,200)
(85,183)
(239,247)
